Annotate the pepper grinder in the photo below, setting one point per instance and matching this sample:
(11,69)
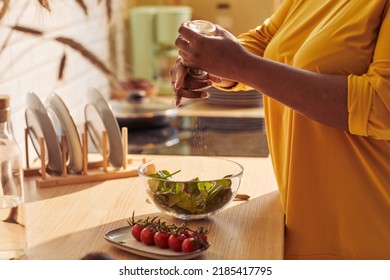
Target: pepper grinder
(206,28)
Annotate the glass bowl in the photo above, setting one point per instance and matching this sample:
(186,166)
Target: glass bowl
(191,187)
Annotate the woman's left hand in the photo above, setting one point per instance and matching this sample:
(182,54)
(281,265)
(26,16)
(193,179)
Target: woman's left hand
(217,54)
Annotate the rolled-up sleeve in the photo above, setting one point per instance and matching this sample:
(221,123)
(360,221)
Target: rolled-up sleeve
(369,94)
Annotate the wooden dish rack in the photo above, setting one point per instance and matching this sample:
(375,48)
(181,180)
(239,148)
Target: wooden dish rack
(91,171)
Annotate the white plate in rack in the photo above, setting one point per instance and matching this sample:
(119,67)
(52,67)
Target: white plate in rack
(39,125)
(100,117)
(64,124)
(122,239)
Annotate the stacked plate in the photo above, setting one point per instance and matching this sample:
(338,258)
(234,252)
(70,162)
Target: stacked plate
(231,124)
(99,118)
(52,120)
(40,126)
(250,98)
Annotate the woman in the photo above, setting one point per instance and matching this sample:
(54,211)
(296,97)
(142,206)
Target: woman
(324,70)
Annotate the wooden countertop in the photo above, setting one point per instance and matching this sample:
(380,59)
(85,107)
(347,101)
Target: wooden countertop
(69,222)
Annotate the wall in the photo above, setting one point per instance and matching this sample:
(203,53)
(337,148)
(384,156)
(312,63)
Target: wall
(242,15)
(238,17)
(31,63)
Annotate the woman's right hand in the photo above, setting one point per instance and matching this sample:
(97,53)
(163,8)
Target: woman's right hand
(185,85)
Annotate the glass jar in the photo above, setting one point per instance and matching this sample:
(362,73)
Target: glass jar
(12,218)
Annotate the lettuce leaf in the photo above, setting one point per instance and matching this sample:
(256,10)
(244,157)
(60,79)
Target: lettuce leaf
(194,196)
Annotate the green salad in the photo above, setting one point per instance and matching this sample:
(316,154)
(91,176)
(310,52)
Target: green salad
(191,197)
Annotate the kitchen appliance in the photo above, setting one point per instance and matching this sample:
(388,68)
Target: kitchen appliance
(153,35)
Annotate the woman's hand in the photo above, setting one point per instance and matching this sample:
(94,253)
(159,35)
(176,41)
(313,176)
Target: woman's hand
(186,86)
(218,54)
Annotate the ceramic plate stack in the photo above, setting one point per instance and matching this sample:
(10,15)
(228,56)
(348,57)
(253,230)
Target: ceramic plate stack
(63,124)
(237,99)
(231,124)
(40,126)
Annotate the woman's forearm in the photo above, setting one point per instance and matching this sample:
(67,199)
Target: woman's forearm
(320,97)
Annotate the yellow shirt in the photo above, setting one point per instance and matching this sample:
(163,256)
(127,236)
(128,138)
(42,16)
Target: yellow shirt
(334,185)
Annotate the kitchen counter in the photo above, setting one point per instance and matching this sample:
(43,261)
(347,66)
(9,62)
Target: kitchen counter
(68,222)
(203,128)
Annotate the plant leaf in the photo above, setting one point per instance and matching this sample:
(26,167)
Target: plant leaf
(62,67)
(185,202)
(28,30)
(109,9)
(82,6)
(45,4)
(85,53)
(4,8)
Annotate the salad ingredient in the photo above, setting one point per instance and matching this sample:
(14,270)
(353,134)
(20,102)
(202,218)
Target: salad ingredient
(147,236)
(154,231)
(175,241)
(190,244)
(136,231)
(191,197)
(201,233)
(161,239)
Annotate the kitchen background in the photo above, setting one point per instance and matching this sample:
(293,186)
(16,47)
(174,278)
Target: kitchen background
(34,57)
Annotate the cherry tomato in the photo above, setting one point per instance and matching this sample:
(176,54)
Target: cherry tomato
(190,244)
(147,236)
(203,236)
(175,241)
(197,234)
(187,233)
(161,239)
(136,231)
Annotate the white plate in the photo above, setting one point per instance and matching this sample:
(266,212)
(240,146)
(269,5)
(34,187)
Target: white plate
(40,125)
(122,239)
(100,117)
(64,124)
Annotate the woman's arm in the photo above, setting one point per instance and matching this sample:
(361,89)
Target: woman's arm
(320,97)
(255,41)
